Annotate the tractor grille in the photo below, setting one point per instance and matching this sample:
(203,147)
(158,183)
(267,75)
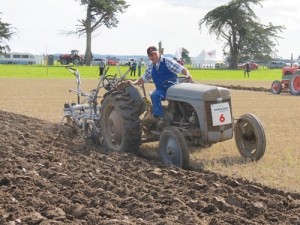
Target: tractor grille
(210,126)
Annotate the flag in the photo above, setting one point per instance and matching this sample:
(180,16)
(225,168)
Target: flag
(178,53)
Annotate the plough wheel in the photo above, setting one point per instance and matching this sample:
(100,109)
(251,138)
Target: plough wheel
(91,132)
(250,137)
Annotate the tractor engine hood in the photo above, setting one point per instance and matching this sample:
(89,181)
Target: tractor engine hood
(197,92)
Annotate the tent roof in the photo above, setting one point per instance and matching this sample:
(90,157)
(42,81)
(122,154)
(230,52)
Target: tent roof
(178,53)
(209,56)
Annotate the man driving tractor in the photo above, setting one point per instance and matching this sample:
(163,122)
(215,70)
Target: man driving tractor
(160,70)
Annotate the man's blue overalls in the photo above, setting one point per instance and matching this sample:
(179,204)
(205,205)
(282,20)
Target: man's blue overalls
(159,76)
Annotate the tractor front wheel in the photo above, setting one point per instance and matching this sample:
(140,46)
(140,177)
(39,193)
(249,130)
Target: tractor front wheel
(120,123)
(295,83)
(76,61)
(250,137)
(173,148)
(276,87)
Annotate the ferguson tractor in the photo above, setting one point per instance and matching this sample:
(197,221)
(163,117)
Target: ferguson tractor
(74,58)
(196,114)
(290,80)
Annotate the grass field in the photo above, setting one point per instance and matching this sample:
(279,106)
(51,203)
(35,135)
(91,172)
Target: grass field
(91,72)
(280,166)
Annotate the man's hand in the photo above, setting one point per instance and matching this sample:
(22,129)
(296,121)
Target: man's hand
(189,77)
(187,74)
(128,82)
(139,81)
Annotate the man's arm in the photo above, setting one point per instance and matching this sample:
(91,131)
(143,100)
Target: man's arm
(186,73)
(176,68)
(140,81)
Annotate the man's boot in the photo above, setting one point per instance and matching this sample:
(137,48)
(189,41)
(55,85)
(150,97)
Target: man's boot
(148,120)
(161,123)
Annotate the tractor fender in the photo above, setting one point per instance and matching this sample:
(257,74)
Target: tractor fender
(135,95)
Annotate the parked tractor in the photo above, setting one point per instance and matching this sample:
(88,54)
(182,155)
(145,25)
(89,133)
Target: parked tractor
(74,57)
(195,114)
(290,81)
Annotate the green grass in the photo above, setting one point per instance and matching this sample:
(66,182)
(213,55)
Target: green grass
(90,72)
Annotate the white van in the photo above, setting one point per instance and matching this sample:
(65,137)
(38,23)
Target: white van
(276,65)
(20,58)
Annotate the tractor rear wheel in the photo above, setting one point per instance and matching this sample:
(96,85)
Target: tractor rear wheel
(64,62)
(120,123)
(250,137)
(276,87)
(295,83)
(173,148)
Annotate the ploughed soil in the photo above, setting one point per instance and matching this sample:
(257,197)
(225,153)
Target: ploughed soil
(50,175)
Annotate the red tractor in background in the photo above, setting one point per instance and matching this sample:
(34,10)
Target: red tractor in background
(112,62)
(74,57)
(290,80)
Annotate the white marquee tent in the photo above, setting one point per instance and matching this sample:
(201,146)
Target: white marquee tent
(207,59)
(178,53)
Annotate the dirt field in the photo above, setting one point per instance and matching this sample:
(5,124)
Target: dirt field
(49,175)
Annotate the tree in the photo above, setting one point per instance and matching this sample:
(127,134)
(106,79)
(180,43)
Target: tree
(98,13)
(160,48)
(185,55)
(6,33)
(237,26)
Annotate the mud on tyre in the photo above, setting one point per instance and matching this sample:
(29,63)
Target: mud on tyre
(120,123)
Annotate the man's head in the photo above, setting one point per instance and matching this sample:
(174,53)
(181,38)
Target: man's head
(153,54)
(151,49)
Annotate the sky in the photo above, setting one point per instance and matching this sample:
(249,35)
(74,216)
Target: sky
(40,23)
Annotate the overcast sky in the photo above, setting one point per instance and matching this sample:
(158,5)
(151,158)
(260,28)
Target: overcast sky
(175,23)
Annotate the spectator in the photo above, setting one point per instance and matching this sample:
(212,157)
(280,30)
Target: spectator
(102,65)
(140,66)
(247,69)
(133,68)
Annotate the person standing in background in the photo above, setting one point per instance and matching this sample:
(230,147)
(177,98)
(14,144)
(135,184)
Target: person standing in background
(140,66)
(102,65)
(133,68)
(247,69)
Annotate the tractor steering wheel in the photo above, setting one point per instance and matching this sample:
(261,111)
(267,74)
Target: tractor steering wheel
(183,79)
(107,82)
